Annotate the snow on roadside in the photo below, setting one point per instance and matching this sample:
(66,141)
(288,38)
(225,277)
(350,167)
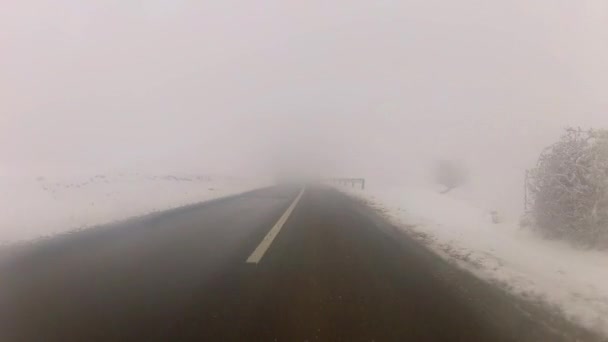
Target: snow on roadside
(572,280)
(32,207)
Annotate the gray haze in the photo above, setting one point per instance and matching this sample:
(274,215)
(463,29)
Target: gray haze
(378,89)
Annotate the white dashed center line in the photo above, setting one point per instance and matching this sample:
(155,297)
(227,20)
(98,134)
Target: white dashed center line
(259,252)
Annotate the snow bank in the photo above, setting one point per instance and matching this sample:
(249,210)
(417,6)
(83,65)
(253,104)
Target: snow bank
(32,207)
(571,280)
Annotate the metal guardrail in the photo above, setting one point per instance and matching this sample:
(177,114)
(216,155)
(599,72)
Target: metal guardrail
(349,181)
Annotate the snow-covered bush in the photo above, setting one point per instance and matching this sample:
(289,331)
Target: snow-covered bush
(568,189)
(450,174)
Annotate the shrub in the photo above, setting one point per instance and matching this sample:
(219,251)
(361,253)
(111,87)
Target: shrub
(568,188)
(450,174)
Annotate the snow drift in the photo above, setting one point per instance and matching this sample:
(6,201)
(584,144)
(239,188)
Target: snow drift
(32,207)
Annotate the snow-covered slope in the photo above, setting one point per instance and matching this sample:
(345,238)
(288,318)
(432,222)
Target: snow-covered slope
(572,280)
(32,207)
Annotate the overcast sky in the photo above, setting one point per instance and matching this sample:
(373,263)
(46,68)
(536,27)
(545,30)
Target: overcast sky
(372,88)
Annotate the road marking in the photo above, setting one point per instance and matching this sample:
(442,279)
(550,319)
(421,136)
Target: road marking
(259,252)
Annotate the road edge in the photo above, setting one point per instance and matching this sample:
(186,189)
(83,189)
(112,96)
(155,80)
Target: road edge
(552,321)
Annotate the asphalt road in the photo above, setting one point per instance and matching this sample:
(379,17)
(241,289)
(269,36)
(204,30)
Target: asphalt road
(336,271)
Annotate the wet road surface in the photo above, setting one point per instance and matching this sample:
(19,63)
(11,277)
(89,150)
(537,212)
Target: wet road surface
(335,271)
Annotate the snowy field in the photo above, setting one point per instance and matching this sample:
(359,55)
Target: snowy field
(33,207)
(568,279)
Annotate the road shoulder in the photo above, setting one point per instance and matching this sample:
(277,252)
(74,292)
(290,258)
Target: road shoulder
(515,314)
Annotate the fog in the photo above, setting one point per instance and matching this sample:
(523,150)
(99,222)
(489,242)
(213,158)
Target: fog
(374,89)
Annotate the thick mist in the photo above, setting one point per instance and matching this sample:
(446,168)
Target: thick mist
(375,89)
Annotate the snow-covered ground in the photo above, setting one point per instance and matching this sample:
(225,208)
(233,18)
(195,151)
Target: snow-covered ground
(32,207)
(569,279)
